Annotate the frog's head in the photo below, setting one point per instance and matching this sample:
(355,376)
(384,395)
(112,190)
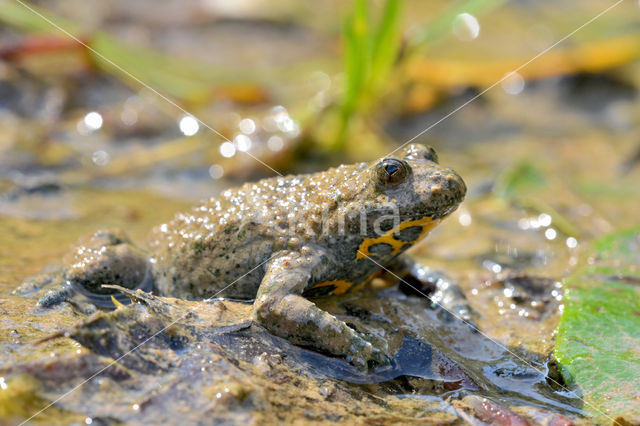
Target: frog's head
(407,195)
(416,184)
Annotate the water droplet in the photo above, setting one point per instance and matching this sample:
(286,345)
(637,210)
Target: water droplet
(278,111)
(88,421)
(550,234)
(513,84)
(286,125)
(93,121)
(129,116)
(242,143)
(247,126)
(188,125)
(216,171)
(572,242)
(319,100)
(544,220)
(100,158)
(135,407)
(320,80)
(227,149)
(466,27)
(275,143)
(464,219)
(284,122)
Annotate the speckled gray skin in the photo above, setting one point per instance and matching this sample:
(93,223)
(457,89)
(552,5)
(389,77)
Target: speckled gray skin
(284,239)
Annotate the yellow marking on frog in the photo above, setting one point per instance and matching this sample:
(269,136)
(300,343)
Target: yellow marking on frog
(341,286)
(426,223)
(358,287)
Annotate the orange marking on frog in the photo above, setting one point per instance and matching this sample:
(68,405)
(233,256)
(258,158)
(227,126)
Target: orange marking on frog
(426,223)
(341,286)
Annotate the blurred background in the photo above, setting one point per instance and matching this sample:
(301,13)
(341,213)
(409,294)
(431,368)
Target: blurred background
(120,113)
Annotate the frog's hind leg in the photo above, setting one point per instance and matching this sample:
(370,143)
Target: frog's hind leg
(423,281)
(53,283)
(107,257)
(284,312)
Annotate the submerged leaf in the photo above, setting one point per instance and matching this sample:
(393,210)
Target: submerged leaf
(523,177)
(522,184)
(598,344)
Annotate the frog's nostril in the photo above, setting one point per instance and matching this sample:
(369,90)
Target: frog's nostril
(456,185)
(453,183)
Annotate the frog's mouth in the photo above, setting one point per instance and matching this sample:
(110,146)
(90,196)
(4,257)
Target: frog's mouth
(451,210)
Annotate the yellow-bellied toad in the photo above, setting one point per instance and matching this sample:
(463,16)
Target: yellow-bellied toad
(284,239)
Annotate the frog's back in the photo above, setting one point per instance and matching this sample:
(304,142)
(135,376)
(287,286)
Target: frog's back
(228,238)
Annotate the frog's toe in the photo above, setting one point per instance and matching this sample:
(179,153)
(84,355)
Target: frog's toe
(460,312)
(366,356)
(378,359)
(453,302)
(366,363)
(360,362)
(55,297)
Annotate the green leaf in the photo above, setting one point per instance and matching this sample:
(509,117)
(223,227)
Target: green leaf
(386,45)
(370,49)
(598,341)
(357,45)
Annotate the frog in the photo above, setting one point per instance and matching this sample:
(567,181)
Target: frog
(284,241)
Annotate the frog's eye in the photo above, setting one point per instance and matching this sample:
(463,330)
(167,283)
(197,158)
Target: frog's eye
(390,172)
(430,154)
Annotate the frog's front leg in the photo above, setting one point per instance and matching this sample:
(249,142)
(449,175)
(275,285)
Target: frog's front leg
(441,289)
(280,308)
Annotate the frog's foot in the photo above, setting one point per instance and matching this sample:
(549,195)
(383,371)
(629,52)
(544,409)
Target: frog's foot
(439,288)
(106,258)
(60,291)
(450,297)
(280,308)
